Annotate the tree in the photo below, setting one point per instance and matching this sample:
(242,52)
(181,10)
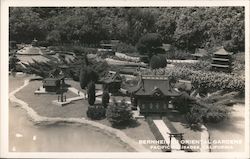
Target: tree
(183,103)
(119,114)
(25,25)
(105,99)
(87,73)
(149,44)
(91,93)
(83,77)
(158,61)
(166,24)
(54,37)
(189,31)
(163,61)
(13,62)
(139,21)
(154,62)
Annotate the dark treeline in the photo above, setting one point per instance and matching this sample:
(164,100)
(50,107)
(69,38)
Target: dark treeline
(185,27)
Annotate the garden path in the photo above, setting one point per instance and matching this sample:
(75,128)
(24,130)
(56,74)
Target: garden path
(164,130)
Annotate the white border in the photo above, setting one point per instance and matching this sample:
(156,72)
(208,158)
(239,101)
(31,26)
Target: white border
(119,3)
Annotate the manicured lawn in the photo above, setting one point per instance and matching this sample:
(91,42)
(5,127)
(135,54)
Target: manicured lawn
(139,131)
(44,106)
(16,81)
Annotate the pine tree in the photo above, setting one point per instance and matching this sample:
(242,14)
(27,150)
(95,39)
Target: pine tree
(105,99)
(91,93)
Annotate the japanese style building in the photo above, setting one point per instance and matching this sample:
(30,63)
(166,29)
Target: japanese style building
(153,94)
(106,50)
(199,53)
(221,61)
(112,82)
(53,84)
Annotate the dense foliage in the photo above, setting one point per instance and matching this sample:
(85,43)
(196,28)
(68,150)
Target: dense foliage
(105,99)
(150,44)
(210,81)
(13,63)
(183,102)
(83,77)
(91,93)
(119,113)
(158,61)
(186,28)
(210,112)
(210,109)
(96,112)
(87,75)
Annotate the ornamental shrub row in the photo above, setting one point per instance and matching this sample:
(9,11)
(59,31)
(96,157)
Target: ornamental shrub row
(205,79)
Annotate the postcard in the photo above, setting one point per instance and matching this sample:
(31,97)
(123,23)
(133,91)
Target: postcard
(124,79)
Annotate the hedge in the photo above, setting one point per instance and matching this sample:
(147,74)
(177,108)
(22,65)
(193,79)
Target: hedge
(205,79)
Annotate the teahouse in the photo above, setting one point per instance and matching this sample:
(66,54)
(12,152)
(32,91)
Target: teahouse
(112,82)
(53,84)
(153,94)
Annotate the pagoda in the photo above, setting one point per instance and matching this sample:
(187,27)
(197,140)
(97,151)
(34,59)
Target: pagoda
(221,61)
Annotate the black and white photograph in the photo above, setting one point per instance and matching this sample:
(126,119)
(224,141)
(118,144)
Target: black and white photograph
(166,80)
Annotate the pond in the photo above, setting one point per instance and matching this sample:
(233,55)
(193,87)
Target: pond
(24,136)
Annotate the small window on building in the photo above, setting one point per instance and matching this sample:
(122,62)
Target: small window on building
(143,106)
(151,105)
(157,105)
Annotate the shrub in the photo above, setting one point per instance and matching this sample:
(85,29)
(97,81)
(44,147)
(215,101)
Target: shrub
(149,44)
(43,43)
(216,113)
(154,62)
(206,113)
(194,117)
(96,112)
(163,61)
(206,79)
(91,93)
(204,65)
(119,114)
(105,99)
(177,54)
(13,63)
(78,50)
(158,61)
(238,64)
(183,102)
(124,48)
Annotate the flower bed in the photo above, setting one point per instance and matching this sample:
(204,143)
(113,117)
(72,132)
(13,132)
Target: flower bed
(204,79)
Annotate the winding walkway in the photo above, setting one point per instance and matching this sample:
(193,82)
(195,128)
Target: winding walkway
(48,120)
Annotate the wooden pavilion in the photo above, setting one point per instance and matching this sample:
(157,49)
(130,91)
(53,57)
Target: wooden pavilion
(111,82)
(153,94)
